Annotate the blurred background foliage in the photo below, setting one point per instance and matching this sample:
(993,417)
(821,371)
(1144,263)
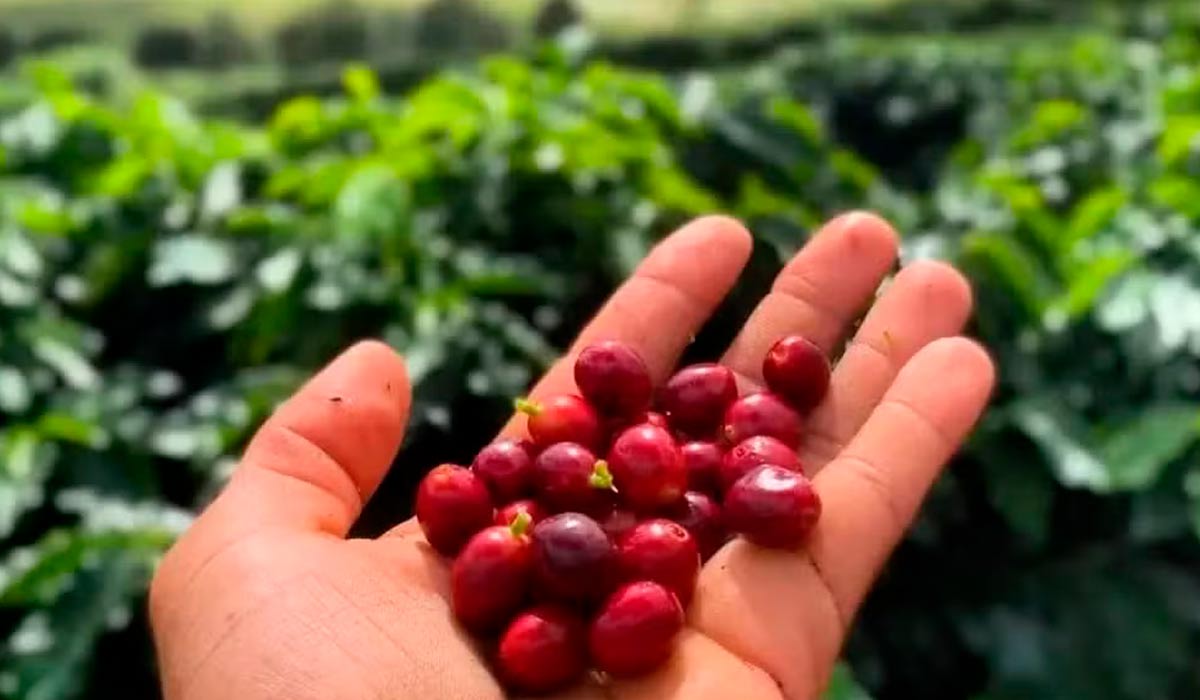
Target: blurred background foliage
(201,203)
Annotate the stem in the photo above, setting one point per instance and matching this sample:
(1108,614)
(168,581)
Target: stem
(601,477)
(520,524)
(524,405)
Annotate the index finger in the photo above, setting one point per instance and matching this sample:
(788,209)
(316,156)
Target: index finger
(658,310)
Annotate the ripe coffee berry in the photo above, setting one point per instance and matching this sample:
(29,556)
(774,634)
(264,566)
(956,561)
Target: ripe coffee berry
(617,523)
(612,376)
(703,461)
(573,560)
(754,452)
(647,468)
(491,576)
(543,650)
(773,507)
(506,468)
(635,630)
(701,515)
(762,414)
(615,426)
(509,513)
(452,505)
(696,397)
(797,370)
(567,476)
(562,418)
(662,551)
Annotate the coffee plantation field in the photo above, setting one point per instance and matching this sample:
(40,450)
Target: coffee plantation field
(167,274)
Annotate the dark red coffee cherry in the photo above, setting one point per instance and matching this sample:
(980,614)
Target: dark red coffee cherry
(696,397)
(506,468)
(543,650)
(755,452)
(452,505)
(773,507)
(635,630)
(491,576)
(612,376)
(703,460)
(562,418)
(617,523)
(701,515)
(762,414)
(796,369)
(647,468)
(615,426)
(567,476)
(574,561)
(663,551)
(535,511)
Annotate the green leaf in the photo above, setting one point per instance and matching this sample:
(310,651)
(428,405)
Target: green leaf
(1191,486)
(1050,121)
(25,462)
(1007,264)
(49,653)
(15,393)
(1062,439)
(372,204)
(1118,456)
(1178,138)
(1093,213)
(222,191)
(1137,452)
(38,574)
(73,367)
(1089,280)
(360,83)
(843,686)
(191,258)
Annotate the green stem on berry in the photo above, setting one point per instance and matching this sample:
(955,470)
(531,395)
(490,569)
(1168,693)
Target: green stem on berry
(524,405)
(601,477)
(520,524)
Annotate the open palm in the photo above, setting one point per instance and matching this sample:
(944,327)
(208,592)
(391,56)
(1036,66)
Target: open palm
(266,598)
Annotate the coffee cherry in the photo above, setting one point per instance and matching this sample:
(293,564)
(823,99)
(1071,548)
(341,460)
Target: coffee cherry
(574,561)
(647,468)
(491,576)
(613,377)
(506,468)
(696,397)
(773,507)
(762,414)
(755,452)
(562,418)
(618,522)
(701,515)
(703,461)
(797,370)
(635,630)
(509,513)
(662,551)
(452,505)
(543,650)
(567,476)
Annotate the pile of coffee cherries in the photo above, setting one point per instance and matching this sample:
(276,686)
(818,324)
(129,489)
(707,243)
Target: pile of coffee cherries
(580,547)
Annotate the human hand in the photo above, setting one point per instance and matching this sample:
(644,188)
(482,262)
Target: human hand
(265,597)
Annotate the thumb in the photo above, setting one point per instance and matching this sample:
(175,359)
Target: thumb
(315,462)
